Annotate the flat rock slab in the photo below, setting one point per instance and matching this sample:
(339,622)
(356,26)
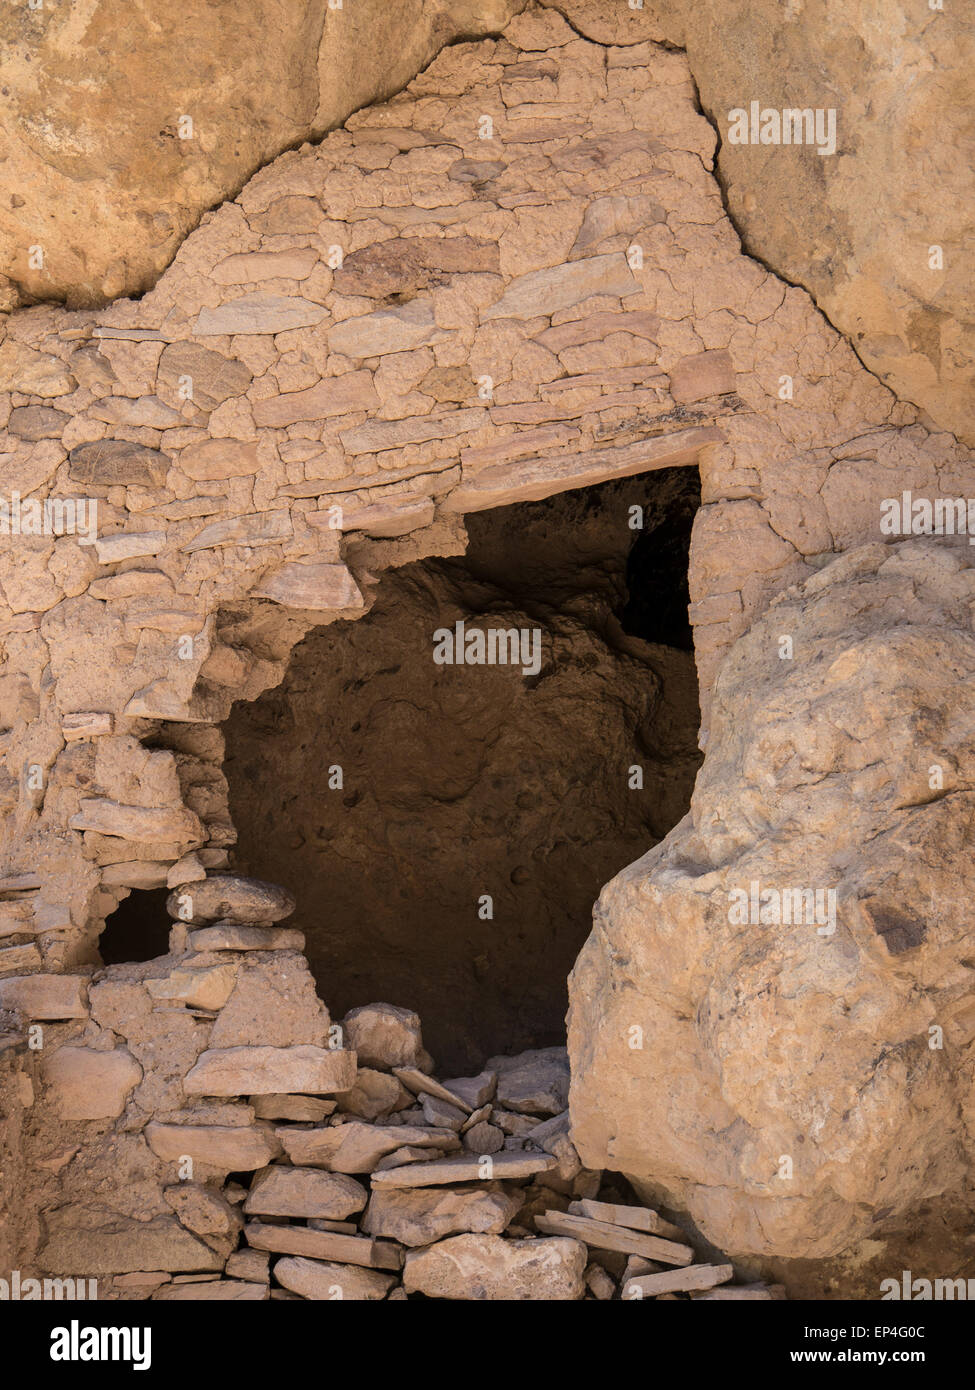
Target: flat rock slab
(114,462)
(677,1281)
(323,1281)
(90,1085)
(245,901)
(125,1246)
(603,1236)
(420,1216)
(260,313)
(214,1291)
(324,1245)
(484,1267)
(357,1147)
(225,936)
(465,1169)
(317,588)
(256,1071)
(228,1148)
(636,1218)
(45,997)
(303,1193)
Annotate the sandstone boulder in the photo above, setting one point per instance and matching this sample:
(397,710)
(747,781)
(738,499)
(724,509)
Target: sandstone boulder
(754,1021)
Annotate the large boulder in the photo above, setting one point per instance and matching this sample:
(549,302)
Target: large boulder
(117,134)
(796,1072)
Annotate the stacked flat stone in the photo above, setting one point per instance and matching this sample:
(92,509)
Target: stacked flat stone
(371,1178)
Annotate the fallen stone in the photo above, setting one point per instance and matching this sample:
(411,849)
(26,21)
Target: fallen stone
(247,901)
(464,1169)
(304,1192)
(677,1281)
(374,1094)
(636,1218)
(599,1283)
(474,1091)
(243,1071)
(483,1138)
(89,1085)
(488,1267)
(439,1112)
(606,1237)
(316,1279)
(422,1085)
(384,1036)
(742,1293)
(534,1083)
(421,1217)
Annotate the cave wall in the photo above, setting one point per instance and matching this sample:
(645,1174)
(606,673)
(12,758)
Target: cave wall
(543,303)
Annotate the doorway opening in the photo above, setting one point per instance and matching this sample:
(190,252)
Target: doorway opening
(446,821)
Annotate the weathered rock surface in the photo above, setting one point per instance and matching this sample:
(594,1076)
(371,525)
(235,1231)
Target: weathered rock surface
(317,1279)
(791,950)
(233,92)
(246,901)
(304,1192)
(476,1267)
(420,1217)
(246,1071)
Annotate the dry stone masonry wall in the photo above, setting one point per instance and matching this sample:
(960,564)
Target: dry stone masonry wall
(513,279)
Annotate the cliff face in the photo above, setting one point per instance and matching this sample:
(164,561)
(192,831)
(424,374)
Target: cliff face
(514,279)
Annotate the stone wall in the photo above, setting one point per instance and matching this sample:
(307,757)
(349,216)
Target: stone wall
(515,278)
